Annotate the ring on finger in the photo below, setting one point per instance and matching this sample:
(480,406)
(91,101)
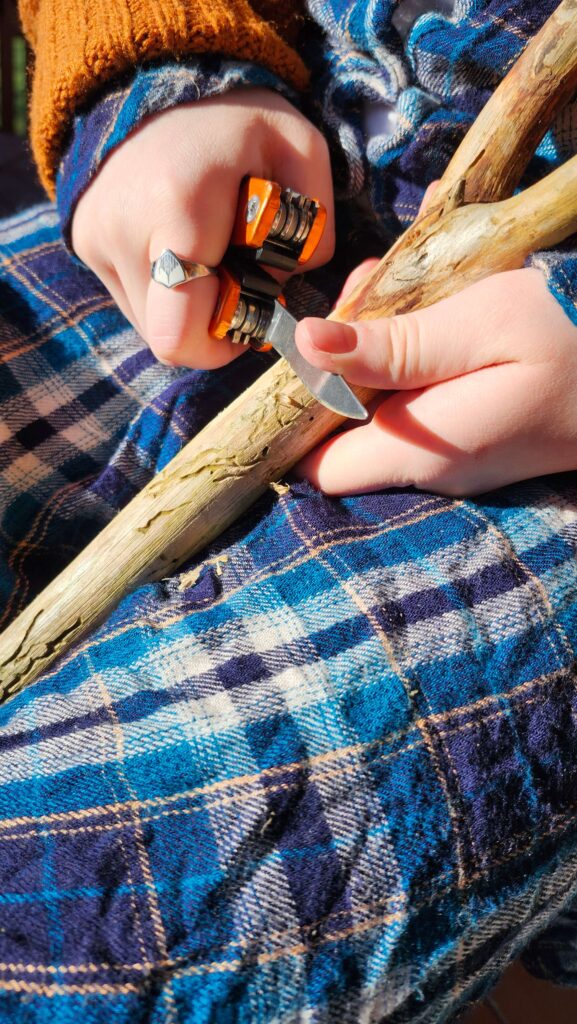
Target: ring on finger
(171,270)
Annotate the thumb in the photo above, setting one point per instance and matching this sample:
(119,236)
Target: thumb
(412,350)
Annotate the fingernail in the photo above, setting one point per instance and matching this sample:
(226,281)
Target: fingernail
(333,338)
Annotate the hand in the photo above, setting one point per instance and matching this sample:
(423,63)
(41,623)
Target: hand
(174,184)
(484,391)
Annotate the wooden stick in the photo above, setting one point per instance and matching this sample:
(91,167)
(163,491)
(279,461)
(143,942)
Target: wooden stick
(490,161)
(464,245)
(492,157)
(222,471)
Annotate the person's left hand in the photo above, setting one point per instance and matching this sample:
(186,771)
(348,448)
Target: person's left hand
(482,391)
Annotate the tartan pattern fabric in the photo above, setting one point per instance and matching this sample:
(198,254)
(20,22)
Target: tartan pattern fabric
(326,772)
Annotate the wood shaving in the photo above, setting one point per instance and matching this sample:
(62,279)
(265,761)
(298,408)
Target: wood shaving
(279,488)
(192,577)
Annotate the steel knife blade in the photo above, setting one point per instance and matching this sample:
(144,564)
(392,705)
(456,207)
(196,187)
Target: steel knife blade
(328,388)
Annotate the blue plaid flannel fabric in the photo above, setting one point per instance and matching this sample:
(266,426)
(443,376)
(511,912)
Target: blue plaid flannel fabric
(324,773)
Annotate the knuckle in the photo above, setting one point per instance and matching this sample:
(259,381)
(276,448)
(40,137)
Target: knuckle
(320,154)
(320,145)
(452,488)
(167,338)
(401,351)
(312,144)
(167,348)
(442,475)
(164,194)
(198,351)
(450,482)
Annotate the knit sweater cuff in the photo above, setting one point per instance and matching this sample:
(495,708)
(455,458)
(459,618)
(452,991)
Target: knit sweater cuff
(104,125)
(83,44)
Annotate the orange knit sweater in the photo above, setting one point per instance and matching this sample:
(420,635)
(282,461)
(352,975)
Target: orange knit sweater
(81,44)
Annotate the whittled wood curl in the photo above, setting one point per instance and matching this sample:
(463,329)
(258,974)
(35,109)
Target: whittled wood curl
(223,470)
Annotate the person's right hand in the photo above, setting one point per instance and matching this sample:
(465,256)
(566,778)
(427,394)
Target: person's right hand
(174,184)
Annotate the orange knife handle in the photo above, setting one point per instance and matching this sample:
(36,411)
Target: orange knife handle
(258,205)
(245,304)
(226,303)
(282,227)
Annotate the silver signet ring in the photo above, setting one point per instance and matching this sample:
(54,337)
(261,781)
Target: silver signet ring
(172,270)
